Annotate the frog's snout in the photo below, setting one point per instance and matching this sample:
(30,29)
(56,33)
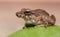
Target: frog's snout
(18,14)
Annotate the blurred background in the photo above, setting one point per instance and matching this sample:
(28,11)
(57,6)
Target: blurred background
(9,23)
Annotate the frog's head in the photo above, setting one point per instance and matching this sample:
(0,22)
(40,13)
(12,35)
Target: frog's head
(24,12)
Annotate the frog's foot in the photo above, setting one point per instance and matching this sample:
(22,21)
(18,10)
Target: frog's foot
(39,26)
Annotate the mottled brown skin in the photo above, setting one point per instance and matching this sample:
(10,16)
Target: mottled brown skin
(52,20)
(39,17)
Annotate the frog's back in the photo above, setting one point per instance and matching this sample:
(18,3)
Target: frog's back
(41,12)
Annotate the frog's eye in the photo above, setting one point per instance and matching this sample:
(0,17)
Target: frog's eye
(27,12)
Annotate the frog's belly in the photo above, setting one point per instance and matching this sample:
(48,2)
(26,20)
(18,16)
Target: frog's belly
(32,22)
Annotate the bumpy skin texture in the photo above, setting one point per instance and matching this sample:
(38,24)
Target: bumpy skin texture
(37,17)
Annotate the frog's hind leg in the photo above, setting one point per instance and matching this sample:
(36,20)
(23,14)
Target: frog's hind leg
(52,20)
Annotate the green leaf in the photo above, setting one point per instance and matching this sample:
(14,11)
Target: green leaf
(52,31)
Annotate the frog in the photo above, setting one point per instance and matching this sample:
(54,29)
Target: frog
(36,17)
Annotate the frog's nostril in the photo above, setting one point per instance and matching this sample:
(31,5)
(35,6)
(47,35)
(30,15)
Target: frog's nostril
(18,15)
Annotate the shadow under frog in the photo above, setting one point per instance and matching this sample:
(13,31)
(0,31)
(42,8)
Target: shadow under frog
(37,17)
